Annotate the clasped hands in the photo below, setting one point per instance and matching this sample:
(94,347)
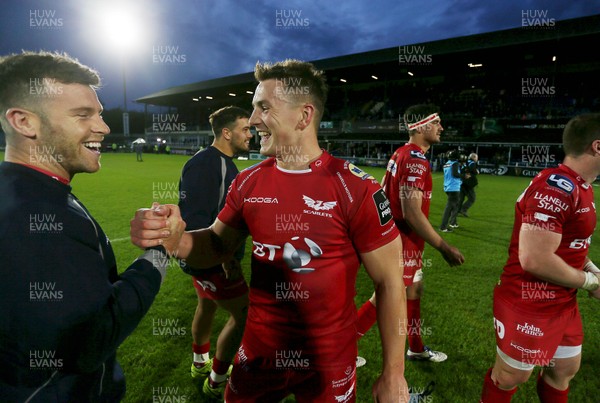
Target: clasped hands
(159,225)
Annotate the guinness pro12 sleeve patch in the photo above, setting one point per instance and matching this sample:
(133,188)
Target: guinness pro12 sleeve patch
(383,207)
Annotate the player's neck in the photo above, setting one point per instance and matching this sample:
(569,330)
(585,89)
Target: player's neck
(223,147)
(583,166)
(419,142)
(48,163)
(297,158)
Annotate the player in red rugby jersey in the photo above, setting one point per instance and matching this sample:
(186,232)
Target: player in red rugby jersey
(313,219)
(408,185)
(536,316)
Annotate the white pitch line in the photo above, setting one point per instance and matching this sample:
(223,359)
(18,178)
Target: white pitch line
(119,239)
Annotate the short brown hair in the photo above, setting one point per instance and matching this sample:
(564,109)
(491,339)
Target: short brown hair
(301,80)
(18,70)
(580,132)
(225,118)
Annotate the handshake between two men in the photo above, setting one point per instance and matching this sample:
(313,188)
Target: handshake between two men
(162,225)
(159,225)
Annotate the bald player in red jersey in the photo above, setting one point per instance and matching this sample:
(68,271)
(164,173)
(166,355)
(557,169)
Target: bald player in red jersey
(536,316)
(313,219)
(408,185)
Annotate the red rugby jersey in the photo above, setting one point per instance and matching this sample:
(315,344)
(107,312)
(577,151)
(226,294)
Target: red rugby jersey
(308,228)
(408,167)
(557,200)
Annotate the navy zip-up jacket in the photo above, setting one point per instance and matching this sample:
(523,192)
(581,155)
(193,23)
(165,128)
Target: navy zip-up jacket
(64,310)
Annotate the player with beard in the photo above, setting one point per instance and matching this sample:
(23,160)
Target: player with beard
(64,309)
(408,186)
(204,182)
(313,219)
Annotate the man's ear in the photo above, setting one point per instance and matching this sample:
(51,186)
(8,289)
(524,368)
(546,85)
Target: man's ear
(226,133)
(596,147)
(308,115)
(23,122)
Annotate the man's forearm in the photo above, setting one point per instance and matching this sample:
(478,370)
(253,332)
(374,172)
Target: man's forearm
(421,225)
(553,269)
(392,322)
(202,249)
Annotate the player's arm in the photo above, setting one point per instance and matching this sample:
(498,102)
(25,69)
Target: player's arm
(537,255)
(411,199)
(200,249)
(210,246)
(384,266)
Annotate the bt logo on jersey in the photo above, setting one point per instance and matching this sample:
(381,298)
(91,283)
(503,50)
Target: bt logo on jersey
(296,259)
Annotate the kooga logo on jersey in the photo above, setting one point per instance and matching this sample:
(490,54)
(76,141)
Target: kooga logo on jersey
(266,200)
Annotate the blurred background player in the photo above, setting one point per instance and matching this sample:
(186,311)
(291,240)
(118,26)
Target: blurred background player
(64,309)
(452,183)
(467,189)
(408,185)
(204,183)
(536,315)
(300,336)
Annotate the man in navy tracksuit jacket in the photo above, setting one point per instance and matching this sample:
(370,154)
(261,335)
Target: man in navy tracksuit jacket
(64,310)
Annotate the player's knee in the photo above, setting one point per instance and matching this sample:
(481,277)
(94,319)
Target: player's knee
(560,375)
(509,378)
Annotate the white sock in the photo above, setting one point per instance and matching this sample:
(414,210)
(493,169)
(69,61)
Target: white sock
(201,358)
(216,378)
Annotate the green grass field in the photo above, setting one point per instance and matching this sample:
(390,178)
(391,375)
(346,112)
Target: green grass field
(456,308)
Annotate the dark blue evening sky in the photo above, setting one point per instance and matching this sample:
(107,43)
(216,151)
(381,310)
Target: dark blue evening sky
(186,41)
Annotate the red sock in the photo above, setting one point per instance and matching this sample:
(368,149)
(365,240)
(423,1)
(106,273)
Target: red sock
(200,354)
(492,393)
(202,349)
(413,313)
(548,394)
(220,367)
(367,316)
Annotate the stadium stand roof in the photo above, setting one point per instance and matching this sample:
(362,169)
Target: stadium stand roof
(524,47)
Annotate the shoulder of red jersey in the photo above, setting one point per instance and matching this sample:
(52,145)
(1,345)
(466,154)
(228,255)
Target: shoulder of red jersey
(348,170)
(556,180)
(552,192)
(358,183)
(247,173)
(417,154)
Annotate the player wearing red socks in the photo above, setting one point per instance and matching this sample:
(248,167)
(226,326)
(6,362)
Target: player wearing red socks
(536,316)
(408,186)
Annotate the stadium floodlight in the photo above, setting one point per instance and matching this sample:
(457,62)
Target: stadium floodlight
(231,94)
(473,65)
(119,25)
(375,77)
